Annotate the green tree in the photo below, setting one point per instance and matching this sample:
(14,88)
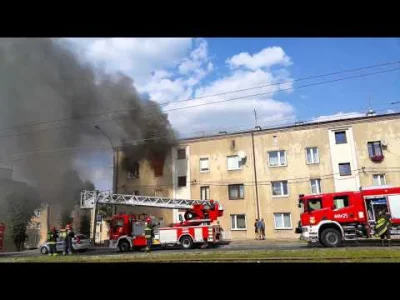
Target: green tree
(20,207)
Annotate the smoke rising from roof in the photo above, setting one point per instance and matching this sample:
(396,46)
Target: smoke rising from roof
(43,80)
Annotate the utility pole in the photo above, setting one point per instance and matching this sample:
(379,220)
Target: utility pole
(255,175)
(255,119)
(95,218)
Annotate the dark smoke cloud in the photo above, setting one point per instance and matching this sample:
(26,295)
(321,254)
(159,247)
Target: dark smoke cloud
(42,80)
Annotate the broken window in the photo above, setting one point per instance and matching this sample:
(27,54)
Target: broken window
(182,181)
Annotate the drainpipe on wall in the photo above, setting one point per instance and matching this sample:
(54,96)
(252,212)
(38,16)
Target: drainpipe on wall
(255,175)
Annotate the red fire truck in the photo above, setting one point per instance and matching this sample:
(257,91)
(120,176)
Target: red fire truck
(336,217)
(127,230)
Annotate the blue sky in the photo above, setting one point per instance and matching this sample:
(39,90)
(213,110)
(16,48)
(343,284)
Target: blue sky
(170,70)
(313,56)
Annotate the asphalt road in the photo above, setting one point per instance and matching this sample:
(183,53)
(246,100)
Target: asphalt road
(233,246)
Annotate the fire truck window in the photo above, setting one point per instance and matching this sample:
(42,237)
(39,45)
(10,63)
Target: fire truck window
(341,202)
(314,204)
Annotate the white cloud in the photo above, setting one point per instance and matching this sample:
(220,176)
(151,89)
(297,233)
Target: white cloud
(264,59)
(338,116)
(175,69)
(238,113)
(191,71)
(137,57)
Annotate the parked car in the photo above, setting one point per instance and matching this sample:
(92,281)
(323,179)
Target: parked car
(80,242)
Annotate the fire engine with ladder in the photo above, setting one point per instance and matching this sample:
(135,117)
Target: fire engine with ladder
(333,218)
(127,230)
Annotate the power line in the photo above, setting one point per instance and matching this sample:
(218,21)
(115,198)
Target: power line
(98,147)
(202,97)
(258,94)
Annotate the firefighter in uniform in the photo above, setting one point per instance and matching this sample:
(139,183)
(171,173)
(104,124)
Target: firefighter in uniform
(52,240)
(148,234)
(382,227)
(67,236)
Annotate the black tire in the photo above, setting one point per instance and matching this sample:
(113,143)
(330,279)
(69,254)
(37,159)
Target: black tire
(331,238)
(44,250)
(186,242)
(124,246)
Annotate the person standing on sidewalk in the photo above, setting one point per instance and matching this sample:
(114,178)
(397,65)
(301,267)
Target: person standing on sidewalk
(68,240)
(262,229)
(256,229)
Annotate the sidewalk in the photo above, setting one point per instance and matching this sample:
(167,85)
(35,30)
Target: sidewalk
(266,241)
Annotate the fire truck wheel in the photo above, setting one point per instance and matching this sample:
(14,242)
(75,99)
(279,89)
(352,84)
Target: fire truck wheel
(331,237)
(186,242)
(123,246)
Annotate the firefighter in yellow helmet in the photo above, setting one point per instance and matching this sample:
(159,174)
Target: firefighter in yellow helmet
(382,227)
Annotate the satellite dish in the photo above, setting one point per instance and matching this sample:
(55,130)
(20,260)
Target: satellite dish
(242,154)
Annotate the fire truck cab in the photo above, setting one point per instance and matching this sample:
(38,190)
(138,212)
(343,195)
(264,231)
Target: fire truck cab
(336,217)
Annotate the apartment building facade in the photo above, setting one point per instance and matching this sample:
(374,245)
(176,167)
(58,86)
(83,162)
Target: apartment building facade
(260,173)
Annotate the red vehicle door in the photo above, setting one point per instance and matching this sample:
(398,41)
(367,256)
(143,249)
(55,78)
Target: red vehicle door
(343,210)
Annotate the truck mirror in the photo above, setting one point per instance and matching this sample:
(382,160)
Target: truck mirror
(333,206)
(180,218)
(299,205)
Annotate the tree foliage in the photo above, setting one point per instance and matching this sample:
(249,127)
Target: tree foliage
(20,210)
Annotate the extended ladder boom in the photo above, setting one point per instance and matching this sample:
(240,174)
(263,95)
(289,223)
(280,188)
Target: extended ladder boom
(88,199)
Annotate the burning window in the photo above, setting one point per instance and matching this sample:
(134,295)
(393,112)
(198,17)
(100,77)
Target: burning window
(182,181)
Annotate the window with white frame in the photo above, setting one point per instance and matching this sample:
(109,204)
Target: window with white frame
(280,188)
(205,192)
(37,212)
(283,221)
(238,222)
(234,163)
(37,226)
(312,155)
(315,186)
(204,165)
(379,179)
(37,238)
(277,158)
